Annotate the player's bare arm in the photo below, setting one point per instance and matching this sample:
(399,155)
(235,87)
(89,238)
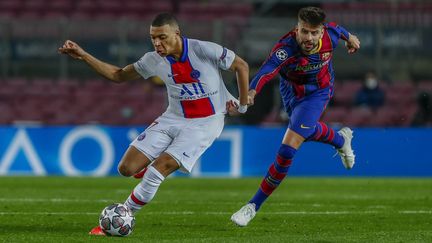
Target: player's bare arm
(241,68)
(107,70)
(353,43)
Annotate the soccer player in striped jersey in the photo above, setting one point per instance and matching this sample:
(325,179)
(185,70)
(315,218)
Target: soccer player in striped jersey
(197,103)
(303,59)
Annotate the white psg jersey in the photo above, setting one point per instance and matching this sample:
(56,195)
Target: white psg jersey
(194,82)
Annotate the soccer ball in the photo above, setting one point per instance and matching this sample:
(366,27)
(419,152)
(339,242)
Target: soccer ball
(117,220)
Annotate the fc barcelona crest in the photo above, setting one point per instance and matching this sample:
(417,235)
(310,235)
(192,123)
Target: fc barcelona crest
(325,56)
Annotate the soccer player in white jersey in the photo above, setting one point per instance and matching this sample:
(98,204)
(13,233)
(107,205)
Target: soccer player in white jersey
(198,101)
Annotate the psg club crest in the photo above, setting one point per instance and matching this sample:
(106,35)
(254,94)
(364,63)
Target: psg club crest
(195,74)
(141,136)
(281,54)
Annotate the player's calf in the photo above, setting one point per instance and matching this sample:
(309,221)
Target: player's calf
(145,190)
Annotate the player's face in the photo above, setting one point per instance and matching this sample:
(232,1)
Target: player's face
(308,36)
(164,39)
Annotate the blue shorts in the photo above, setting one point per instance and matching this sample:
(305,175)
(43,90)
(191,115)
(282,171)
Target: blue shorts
(305,112)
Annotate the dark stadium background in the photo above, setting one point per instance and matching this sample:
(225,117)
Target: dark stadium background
(61,124)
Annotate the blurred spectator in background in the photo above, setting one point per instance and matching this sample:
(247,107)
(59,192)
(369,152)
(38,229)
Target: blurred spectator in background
(423,116)
(370,94)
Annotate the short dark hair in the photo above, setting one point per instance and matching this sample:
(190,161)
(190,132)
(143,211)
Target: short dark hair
(163,19)
(312,15)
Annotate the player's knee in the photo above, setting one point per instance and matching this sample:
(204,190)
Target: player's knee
(166,164)
(124,170)
(286,151)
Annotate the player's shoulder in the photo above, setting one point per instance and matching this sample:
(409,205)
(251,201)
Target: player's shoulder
(206,49)
(199,45)
(151,58)
(330,27)
(287,43)
(196,45)
(152,55)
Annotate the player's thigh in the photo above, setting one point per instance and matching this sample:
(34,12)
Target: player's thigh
(306,115)
(194,140)
(149,144)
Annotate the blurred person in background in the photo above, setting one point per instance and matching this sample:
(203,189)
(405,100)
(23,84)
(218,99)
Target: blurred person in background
(197,97)
(370,94)
(303,59)
(423,116)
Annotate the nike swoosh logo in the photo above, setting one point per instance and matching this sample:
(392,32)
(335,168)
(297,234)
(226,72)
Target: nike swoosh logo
(185,154)
(305,127)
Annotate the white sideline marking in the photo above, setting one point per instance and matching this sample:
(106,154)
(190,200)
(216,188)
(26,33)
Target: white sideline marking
(67,200)
(54,200)
(223,213)
(416,212)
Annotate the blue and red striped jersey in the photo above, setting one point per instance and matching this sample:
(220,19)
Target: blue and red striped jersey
(299,72)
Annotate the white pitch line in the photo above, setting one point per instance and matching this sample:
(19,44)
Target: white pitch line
(48,213)
(68,200)
(53,200)
(224,213)
(415,212)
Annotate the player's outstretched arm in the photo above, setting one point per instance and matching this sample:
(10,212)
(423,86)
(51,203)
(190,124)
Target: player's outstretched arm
(353,43)
(107,70)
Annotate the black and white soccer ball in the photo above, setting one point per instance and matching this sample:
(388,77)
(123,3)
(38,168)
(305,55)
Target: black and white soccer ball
(117,220)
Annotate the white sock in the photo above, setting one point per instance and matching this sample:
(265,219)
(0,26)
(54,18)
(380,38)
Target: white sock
(145,190)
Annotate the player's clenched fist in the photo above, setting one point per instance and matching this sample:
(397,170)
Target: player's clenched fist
(353,43)
(72,49)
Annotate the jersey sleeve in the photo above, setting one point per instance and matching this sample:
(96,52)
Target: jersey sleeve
(145,66)
(221,55)
(337,32)
(276,60)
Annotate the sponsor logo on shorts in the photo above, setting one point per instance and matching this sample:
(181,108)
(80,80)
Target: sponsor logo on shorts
(184,153)
(305,127)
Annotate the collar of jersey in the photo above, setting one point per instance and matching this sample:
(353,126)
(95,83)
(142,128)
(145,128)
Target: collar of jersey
(316,49)
(184,55)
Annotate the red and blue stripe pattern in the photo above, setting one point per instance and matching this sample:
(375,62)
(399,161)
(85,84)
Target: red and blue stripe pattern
(183,73)
(276,173)
(326,134)
(304,72)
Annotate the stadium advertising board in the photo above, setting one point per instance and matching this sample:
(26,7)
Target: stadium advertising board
(239,151)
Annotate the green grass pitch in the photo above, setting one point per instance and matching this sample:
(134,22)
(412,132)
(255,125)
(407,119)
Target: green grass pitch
(302,209)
